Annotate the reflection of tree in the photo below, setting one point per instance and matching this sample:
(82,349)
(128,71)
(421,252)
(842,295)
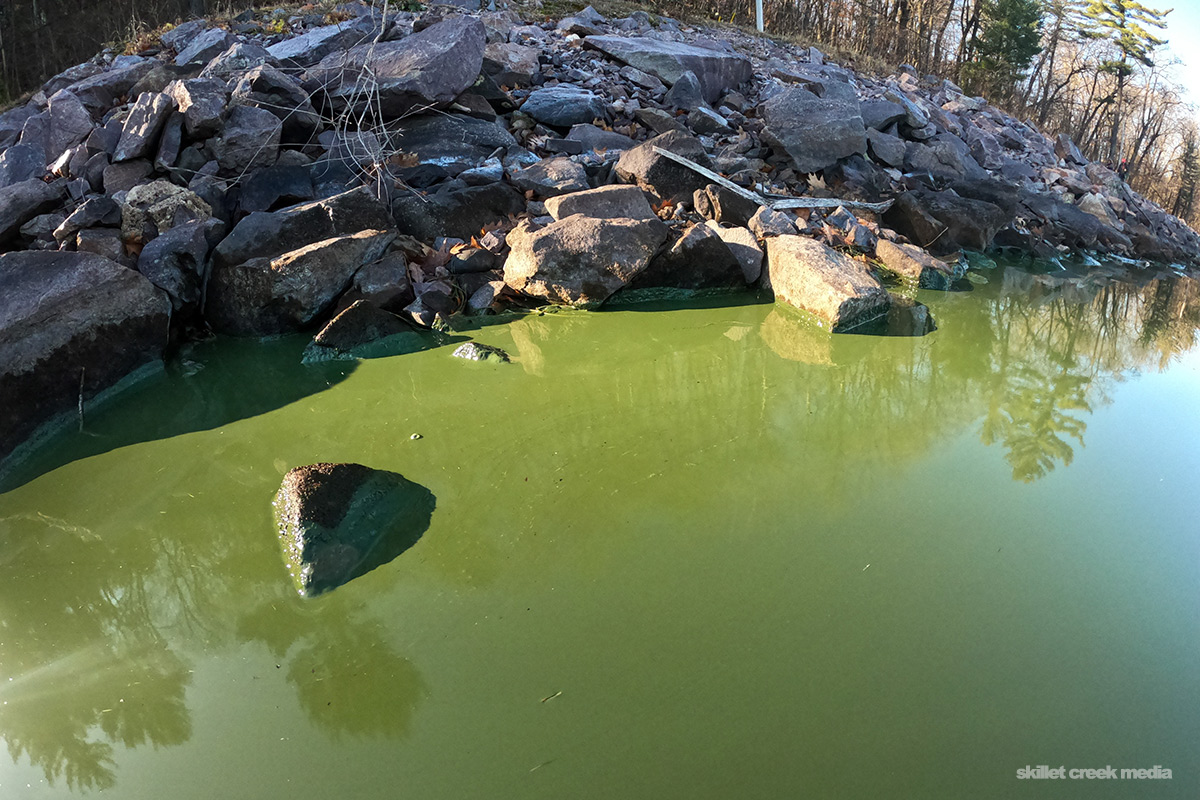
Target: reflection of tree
(89,659)
(347,678)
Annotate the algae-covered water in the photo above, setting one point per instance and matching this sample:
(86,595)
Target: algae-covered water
(677,552)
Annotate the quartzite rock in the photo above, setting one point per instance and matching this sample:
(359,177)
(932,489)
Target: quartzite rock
(266,296)
(23,201)
(699,259)
(270,234)
(667,179)
(816,278)
(815,131)
(579,260)
(139,136)
(607,202)
(744,246)
(340,521)
(432,66)
(69,323)
(716,70)
(914,264)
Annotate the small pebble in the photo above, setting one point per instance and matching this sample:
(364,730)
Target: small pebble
(415,436)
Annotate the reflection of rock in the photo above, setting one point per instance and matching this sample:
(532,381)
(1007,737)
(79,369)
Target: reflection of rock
(340,521)
(796,339)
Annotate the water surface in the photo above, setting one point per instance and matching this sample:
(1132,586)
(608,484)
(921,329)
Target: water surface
(702,552)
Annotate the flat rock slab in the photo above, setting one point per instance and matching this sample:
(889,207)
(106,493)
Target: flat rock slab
(70,321)
(606,202)
(579,260)
(716,70)
(435,66)
(340,521)
(816,278)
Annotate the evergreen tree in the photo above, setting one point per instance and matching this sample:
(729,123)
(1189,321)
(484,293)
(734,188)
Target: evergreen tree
(1010,33)
(1124,23)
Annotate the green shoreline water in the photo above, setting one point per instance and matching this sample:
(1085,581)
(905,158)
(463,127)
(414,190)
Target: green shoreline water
(689,552)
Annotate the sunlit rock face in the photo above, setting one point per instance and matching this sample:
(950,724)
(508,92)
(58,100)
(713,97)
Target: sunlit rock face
(340,521)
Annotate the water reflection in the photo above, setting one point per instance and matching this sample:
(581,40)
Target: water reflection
(99,633)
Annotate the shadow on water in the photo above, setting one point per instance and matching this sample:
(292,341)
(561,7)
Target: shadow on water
(206,386)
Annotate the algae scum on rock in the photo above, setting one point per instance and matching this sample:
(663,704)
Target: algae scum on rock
(340,521)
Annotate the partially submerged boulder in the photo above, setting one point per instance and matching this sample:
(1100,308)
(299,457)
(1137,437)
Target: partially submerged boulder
(71,325)
(580,260)
(364,330)
(816,278)
(340,521)
(915,265)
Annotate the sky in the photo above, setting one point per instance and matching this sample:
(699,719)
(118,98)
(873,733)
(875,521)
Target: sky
(1183,43)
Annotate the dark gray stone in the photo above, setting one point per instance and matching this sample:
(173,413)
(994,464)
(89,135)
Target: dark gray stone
(205,46)
(202,101)
(239,58)
(814,131)
(686,93)
(447,139)
(564,105)
(126,175)
(716,70)
(70,323)
(25,200)
(606,202)
(550,177)
(433,66)
(309,48)
(69,123)
(20,162)
(97,211)
(459,212)
(276,187)
(174,262)
(511,64)
(269,88)
(885,148)
(667,179)
(139,135)
(250,139)
(699,259)
(594,138)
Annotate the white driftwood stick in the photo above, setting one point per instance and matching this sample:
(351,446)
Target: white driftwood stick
(773,203)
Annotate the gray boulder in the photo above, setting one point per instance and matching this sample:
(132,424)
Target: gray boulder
(815,131)
(202,101)
(744,246)
(272,234)
(916,266)
(686,93)
(175,262)
(607,202)
(24,200)
(716,70)
(563,105)
(699,259)
(460,212)
(511,64)
(550,177)
(594,138)
(445,139)
(139,135)
(767,222)
(430,67)
(667,179)
(20,162)
(70,323)
(885,148)
(816,278)
(881,114)
(727,207)
(944,222)
(239,58)
(266,296)
(338,522)
(205,46)
(271,89)
(578,260)
(98,211)
(250,139)
(69,123)
(318,43)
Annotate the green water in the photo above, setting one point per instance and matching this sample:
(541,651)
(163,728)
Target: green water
(702,552)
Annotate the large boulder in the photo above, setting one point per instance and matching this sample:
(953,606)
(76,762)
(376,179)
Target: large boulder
(202,101)
(460,212)
(271,89)
(816,278)
(318,43)
(444,139)
(270,234)
(71,324)
(607,202)
(943,222)
(563,105)
(433,66)
(815,131)
(266,296)
(139,135)
(667,179)
(24,200)
(699,259)
(250,139)
(580,260)
(340,521)
(744,246)
(550,177)
(716,70)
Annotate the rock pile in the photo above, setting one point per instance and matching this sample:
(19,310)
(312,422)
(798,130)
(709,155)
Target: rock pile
(410,168)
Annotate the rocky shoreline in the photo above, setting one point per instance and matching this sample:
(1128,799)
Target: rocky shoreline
(369,178)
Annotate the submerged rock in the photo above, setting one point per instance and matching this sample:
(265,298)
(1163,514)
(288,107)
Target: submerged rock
(364,330)
(340,521)
(914,264)
(474,351)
